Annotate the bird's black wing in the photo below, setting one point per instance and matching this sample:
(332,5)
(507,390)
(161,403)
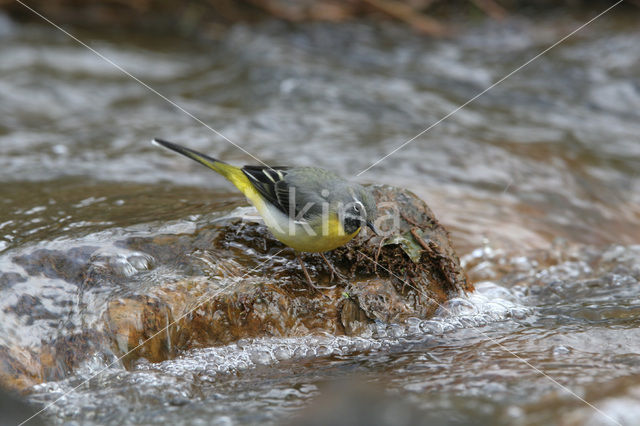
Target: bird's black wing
(271,184)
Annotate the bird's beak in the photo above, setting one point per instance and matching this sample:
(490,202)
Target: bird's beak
(371,226)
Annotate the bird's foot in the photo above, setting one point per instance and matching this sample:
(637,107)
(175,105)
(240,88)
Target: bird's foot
(334,272)
(310,282)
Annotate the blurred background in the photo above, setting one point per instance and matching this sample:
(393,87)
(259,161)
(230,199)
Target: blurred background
(535,179)
(551,152)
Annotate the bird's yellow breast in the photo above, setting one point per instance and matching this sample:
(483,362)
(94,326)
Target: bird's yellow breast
(329,238)
(315,237)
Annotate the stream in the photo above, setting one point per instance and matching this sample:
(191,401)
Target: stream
(537,181)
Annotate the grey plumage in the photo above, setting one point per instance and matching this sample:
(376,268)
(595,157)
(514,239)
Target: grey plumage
(306,189)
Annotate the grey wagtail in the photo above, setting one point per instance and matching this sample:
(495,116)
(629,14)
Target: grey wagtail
(307,208)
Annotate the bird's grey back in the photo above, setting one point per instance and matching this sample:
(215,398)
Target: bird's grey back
(316,186)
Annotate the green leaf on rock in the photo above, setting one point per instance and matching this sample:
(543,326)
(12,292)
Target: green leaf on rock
(408,245)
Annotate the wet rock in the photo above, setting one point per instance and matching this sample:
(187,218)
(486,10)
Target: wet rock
(353,319)
(195,18)
(19,369)
(242,283)
(9,279)
(136,320)
(69,265)
(62,355)
(268,296)
(55,359)
(30,308)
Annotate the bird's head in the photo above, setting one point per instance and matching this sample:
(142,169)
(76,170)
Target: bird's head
(359,210)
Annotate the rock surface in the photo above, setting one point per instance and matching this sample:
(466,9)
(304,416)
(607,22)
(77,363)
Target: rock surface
(241,283)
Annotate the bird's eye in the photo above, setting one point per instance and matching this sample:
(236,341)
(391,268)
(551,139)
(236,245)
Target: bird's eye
(358,208)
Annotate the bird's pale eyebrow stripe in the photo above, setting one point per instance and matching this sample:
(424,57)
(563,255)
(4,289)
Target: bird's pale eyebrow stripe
(364,210)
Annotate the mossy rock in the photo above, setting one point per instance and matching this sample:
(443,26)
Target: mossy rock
(409,273)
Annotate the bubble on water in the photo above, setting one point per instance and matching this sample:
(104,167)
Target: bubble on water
(560,350)
(299,352)
(413,325)
(123,263)
(489,303)
(458,306)
(514,412)
(432,327)
(260,357)
(60,149)
(282,353)
(396,330)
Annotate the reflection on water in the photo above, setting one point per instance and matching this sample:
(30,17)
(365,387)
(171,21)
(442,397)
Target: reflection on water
(549,156)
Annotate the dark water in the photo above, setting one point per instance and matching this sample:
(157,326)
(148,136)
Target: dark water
(537,180)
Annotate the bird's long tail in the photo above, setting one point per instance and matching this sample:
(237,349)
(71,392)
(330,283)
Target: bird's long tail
(232,173)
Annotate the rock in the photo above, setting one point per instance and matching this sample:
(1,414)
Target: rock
(197,18)
(241,283)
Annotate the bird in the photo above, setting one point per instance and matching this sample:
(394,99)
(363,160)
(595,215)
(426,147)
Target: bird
(308,209)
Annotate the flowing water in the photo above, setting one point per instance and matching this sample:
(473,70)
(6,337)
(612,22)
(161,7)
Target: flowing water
(537,181)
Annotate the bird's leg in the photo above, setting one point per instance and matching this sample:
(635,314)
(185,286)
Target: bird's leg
(334,271)
(306,273)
